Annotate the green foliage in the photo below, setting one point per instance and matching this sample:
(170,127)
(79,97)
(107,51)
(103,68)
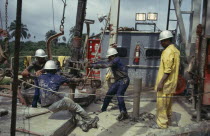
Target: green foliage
(5,81)
(24,30)
(28,49)
(41,43)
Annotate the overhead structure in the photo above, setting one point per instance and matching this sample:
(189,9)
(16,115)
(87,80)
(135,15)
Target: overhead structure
(180,20)
(195,20)
(203,63)
(77,40)
(189,43)
(114,21)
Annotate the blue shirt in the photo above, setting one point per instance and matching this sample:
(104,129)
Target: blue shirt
(119,70)
(36,65)
(50,82)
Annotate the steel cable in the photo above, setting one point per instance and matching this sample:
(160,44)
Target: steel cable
(128,96)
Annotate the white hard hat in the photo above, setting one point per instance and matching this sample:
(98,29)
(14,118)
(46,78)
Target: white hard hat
(111,51)
(50,64)
(165,35)
(40,53)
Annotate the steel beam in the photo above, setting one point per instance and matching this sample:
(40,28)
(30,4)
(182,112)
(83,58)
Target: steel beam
(80,17)
(194,20)
(168,17)
(180,21)
(77,40)
(114,21)
(16,68)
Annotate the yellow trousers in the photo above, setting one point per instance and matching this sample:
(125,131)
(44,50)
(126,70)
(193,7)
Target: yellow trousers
(164,109)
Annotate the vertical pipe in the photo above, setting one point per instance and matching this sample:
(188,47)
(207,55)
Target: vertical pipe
(194,21)
(168,17)
(16,68)
(180,21)
(204,15)
(77,41)
(114,21)
(136,100)
(80,17)
(201,64)
(201,60)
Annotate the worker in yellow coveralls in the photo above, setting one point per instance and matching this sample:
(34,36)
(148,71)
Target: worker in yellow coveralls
(166,81)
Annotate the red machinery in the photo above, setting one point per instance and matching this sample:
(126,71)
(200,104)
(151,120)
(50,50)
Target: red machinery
(92,49)
(206,96)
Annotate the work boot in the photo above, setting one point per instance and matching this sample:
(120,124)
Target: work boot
(84,127)
(156,126)
(93,122)
(123,115)
(119,116)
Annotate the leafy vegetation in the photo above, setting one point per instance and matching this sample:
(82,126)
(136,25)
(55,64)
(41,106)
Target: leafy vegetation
(24,30)
(5,81)
(28,48)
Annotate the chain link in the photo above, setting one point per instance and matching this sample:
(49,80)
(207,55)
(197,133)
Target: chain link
(63,17)
(6,15)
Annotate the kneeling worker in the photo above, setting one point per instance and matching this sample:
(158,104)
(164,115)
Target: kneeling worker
(58,102)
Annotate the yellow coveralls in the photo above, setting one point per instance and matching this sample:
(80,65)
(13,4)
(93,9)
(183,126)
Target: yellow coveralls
(169,63)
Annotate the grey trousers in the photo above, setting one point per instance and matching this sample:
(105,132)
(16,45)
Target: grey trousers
(67,104)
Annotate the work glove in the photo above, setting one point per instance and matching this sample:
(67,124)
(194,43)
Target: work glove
(39,72)
(88,65)
(25,73)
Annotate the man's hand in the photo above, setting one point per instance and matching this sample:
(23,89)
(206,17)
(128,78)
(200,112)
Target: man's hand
(39,72)
(87,65)
(82,79)
(25,73)
(162,81)
(160,87)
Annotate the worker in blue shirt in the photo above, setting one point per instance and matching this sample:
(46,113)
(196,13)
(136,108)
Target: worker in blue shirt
(120,85)
(58,101)
(37,66)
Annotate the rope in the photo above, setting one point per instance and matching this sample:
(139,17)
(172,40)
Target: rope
(130,96)
(53,15)
(1,20)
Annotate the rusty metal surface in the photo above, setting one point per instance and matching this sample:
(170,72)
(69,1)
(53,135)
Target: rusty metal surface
(28,132)
(49,41)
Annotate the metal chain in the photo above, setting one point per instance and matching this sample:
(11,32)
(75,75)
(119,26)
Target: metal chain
(63,17)
(6,15)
